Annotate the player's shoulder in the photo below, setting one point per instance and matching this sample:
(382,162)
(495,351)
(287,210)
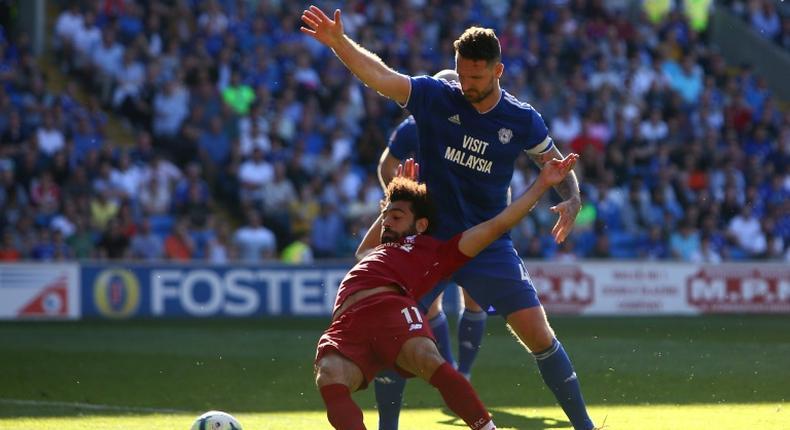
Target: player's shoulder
(438,84)
(423,239)
(514,104)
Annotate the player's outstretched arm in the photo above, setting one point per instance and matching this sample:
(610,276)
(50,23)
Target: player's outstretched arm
(568,189)
(480,236)
(371,240)
(388,163)
(365,65)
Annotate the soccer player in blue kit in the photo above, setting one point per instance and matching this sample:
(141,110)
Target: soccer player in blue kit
(470,134)
(389,385)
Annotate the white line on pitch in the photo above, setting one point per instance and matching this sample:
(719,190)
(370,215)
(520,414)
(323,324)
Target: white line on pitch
(87,406)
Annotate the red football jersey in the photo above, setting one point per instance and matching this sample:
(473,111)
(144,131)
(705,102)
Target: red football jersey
(415,264)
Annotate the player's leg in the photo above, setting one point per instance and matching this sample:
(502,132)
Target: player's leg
(533,329)
(389,384)
(500,279)
(420,356)
(471,328)
(441,329)
(337,377)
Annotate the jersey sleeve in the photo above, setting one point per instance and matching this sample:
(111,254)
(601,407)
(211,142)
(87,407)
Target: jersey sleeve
(450,257)
(403,141)
(423,90)
(538,139)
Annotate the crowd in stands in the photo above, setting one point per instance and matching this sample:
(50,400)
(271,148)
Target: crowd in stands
(253,143)
(769,18)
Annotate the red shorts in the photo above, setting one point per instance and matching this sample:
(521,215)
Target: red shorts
(371,333)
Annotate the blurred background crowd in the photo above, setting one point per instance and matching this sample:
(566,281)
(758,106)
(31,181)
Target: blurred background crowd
(242,139)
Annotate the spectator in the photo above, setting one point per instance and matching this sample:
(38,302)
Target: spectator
(113,244)
(128,177)
(218,249)
(745,232)
(8,250)
(130,79)
(87,37)
(82,242)
(107,61)
(50,139)
(654,247)
(170,110)
(765,20)
(254,241)
(238,95)
(326,231)
(253,175)
(685,243)
(13,197)
(13,137)
(103,209)
(214,144)
(277,195)
(146,245)
(45,195)
(566,126)
(179,245)
(154,197)
(706,253)
(298,251)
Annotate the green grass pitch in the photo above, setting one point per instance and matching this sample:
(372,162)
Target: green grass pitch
(679,373)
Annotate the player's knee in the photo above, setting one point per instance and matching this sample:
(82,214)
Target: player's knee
(534,338)
(327,373)
(542,340)
(421,357)
(436,308)
(427,360)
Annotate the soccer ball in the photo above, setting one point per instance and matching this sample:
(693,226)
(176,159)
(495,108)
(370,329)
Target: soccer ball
(216,420)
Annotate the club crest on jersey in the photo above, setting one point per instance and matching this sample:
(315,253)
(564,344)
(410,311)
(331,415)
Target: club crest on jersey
(505,134)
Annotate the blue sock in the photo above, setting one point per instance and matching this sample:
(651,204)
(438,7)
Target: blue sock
(442,332)
(559,376)
(389,386)
(470,336)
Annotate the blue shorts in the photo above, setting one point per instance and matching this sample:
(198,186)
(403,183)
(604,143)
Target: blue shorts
(496,278)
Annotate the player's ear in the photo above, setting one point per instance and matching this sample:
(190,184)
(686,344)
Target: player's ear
(499,69)
(422,225)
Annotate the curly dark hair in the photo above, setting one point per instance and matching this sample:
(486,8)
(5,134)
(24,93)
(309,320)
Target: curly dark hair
(405,189)
(477,43)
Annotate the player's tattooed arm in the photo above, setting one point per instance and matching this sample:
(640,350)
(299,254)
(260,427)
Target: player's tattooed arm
(568,189)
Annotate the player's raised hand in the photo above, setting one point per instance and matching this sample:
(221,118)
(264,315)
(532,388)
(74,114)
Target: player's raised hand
(408,169)
(554,171)
(322,28)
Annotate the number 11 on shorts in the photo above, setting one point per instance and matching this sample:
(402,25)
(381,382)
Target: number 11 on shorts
(407,314)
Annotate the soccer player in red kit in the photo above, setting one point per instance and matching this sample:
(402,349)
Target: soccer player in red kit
(376,323)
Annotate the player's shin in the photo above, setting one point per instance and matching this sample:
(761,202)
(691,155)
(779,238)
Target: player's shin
(470,336)
(461,398)
(559,376)
(341,410)
(441,330)
(389,386)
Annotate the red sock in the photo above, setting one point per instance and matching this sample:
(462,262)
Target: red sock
(342,412)
(460,397)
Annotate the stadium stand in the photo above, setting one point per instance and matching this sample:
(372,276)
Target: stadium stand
(684,157)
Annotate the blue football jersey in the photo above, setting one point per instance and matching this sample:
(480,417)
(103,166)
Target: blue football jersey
(466,157)
(403,140)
